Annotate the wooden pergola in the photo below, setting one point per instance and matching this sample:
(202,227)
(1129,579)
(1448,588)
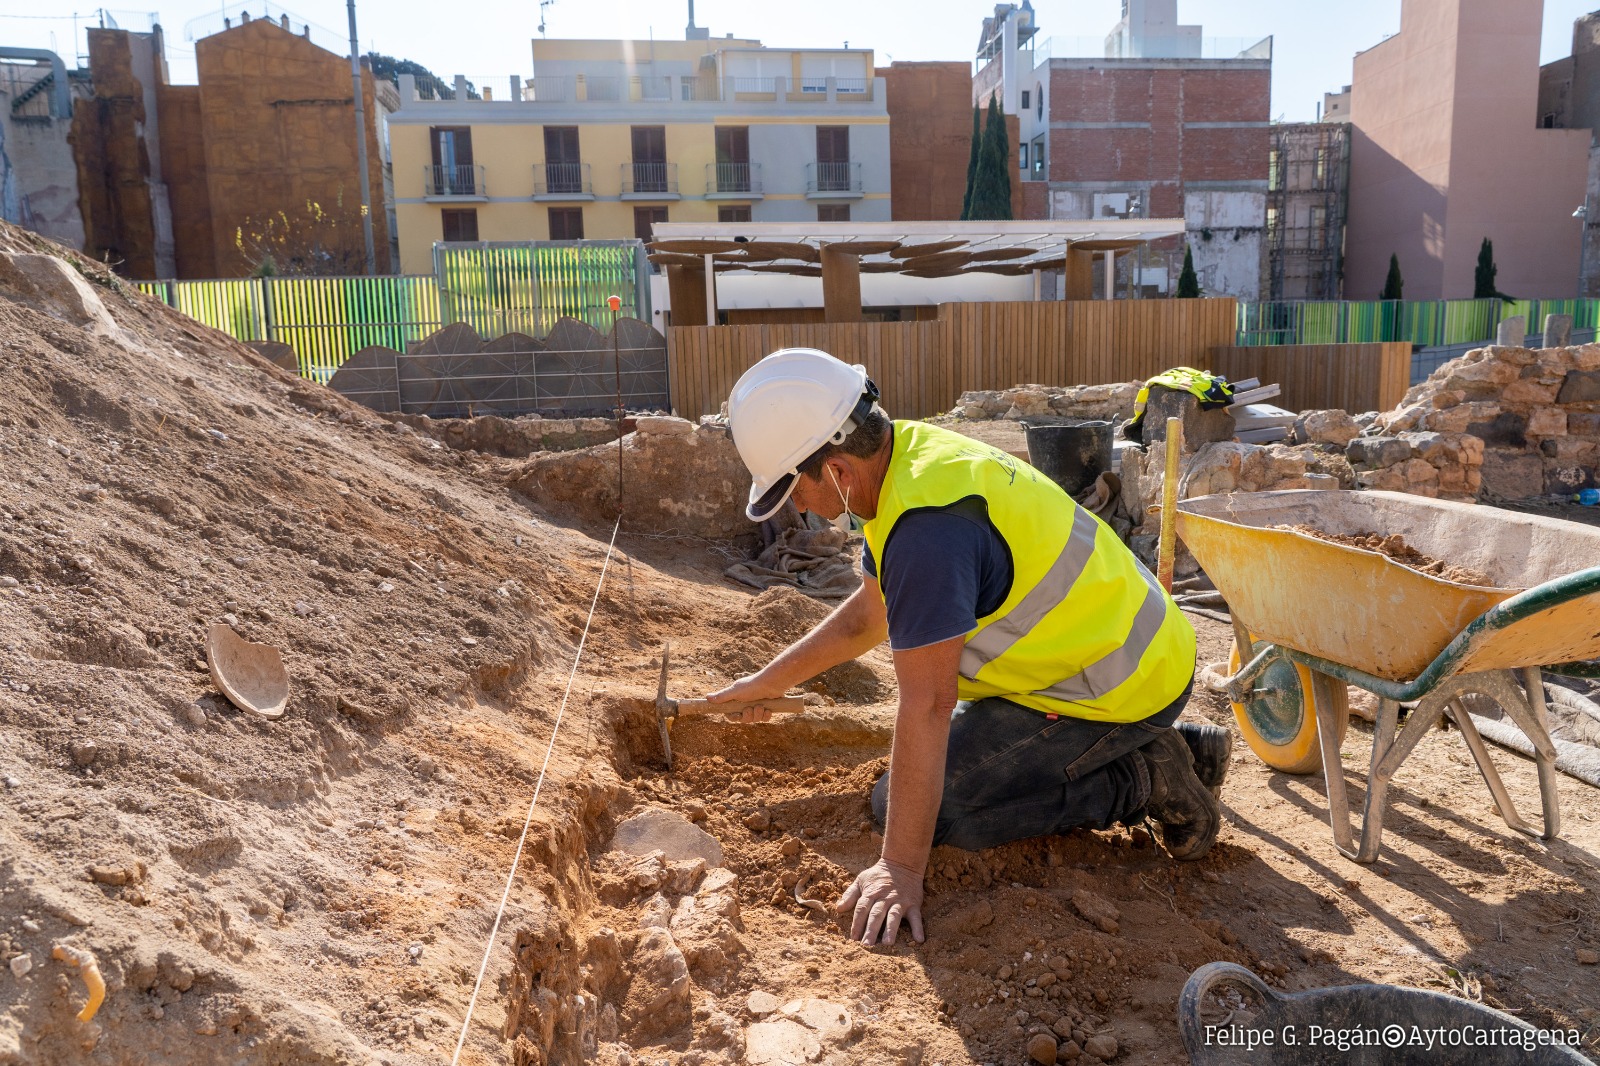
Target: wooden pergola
(692,254)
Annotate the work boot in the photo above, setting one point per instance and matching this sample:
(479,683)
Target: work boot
(1212,747)
(1187,812)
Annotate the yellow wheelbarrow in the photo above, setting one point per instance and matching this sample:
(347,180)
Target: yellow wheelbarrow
(1311,616)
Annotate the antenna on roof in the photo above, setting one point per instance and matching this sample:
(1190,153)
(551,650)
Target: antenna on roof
(693,32)
(542,5)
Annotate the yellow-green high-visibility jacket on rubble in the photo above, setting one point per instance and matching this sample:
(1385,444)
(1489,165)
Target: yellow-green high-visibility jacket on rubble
(1085,630)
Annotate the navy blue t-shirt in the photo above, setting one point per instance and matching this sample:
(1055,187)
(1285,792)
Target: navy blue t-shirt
(944,568)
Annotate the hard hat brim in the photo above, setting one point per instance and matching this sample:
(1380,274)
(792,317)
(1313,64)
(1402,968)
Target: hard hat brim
(763,505)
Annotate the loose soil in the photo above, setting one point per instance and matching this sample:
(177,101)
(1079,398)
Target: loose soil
(320,888)
(1393,546)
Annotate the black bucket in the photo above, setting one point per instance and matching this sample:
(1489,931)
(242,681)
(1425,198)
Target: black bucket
(1072,454)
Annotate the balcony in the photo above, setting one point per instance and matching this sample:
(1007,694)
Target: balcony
(556,182)
(833,181)
(454,183)
(650,181)
(733,181)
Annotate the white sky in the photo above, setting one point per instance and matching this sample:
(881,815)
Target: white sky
(1314,42)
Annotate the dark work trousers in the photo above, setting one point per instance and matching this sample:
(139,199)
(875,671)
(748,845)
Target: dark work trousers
(1011,773)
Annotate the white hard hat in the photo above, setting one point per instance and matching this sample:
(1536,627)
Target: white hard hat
(786,407)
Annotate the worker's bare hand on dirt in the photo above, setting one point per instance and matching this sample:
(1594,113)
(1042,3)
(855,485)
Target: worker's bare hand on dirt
(747,689)
(882,896)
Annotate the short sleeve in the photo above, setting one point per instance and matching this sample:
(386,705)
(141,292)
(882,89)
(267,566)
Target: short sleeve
(935,569)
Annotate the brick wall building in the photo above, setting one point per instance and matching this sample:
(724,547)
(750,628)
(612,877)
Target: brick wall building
(172,176)
(1165,124)
(930,136)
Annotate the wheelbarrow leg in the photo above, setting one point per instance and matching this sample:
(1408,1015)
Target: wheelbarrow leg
(1549,798)
(1491,777)
(1333,766)
(1388,752)
(1528,712)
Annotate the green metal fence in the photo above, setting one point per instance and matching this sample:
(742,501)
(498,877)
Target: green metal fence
(495,288)
(1429,323)
(525,287)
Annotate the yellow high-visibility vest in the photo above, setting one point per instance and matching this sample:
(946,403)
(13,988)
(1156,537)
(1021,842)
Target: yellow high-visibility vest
(1085,630)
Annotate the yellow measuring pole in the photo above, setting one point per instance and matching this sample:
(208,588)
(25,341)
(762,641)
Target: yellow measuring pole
(1169,504)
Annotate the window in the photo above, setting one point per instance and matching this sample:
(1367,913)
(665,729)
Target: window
(733,158)
(644,218)
(460,225)
(1025,99)
(1274,158)
(833,158)
(833,212)
(563,169)
(1038,101)
(453,172)
(1549,120)
(566,223)
(1272,223)
(1038,158)
(650,159)
(1322,165)
(1319,218)
(1022,150)
(733,213)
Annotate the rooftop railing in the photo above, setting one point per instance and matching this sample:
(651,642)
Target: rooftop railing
(1150,48)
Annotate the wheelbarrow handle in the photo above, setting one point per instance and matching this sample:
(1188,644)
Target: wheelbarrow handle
(1194,993)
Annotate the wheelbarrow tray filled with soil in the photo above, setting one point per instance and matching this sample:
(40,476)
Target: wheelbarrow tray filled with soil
(1270,557)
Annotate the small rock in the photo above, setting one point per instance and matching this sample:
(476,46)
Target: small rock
(789,848)
(1097,911)
(217,434)
(470,642)
(1068,1051)
(84,752)
(195,715)
(761,1003)
(671,834)
(758,822)
(1588,956)
(8,582)
(1005,972)
(21,965)
(30,926)
(1042,1049)
(415,951)
(386,587)
(426,766)
(696,811)
(1102,1046)
(231,620)
(302,608)
(13,782)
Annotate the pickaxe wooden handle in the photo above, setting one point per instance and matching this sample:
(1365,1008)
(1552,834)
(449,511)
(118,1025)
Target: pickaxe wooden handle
(693,708)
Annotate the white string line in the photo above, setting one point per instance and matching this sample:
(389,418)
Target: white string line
(539,784)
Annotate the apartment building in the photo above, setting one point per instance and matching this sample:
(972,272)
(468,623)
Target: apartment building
(1447,149)
(1154,120)
(609,137)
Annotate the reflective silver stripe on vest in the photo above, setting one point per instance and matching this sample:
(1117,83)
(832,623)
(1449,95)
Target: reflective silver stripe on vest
(1105,674)
(989,643)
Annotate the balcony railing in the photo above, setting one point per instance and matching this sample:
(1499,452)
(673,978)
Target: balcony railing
(734,86)
(646,179)
(562,179)
(842,178)
(733,178)
(464,180)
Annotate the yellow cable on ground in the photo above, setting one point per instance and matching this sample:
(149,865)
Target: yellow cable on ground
(511,878)
(89,970)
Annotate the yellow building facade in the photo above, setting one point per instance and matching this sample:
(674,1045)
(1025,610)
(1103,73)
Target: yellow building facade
(609,137)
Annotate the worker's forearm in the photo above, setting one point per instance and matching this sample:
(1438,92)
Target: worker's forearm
(916,781)
(852,630)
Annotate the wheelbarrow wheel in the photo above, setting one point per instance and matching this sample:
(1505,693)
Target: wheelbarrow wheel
(1280,722)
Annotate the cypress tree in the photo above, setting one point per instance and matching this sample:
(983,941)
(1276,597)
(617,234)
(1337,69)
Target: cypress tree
(1483,278)
(1394,283)
(1188,281)
(991,184)
(972,164)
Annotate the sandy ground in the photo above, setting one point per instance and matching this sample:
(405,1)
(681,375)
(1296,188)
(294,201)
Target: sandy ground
(320,889)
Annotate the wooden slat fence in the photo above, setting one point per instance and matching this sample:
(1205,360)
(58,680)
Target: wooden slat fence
(923,367)
(1350,377)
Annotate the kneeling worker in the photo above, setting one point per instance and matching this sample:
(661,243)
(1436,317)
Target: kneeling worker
(1040,666)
